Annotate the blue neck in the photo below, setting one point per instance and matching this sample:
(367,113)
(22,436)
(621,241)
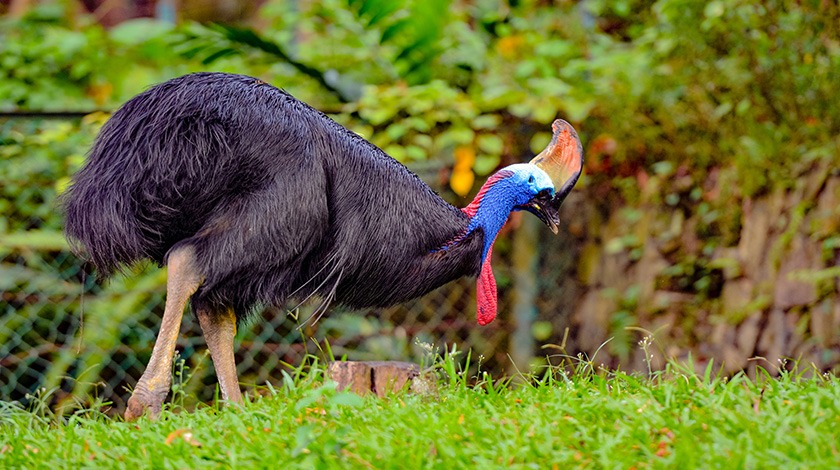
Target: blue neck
(492,213)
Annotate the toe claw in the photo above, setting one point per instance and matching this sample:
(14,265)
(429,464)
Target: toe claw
(134,409)
(140,403)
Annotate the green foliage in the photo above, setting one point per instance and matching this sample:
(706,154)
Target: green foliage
(750,81)
(693,83)
(63,68)
(34,161)
(32,249)
(413,28)
(83,69)
(728,82)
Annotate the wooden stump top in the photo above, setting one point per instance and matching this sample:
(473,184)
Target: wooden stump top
(379,377)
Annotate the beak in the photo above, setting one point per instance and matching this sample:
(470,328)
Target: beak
(542,206)
(562,160)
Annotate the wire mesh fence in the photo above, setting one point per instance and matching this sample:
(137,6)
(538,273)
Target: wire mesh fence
(80,338)
(64,331)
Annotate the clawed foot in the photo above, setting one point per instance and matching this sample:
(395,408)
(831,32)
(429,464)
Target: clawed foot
(143,402)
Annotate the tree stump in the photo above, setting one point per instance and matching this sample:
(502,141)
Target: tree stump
(379,377)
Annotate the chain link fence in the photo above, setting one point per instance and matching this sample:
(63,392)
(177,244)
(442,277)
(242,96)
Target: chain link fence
(63,331)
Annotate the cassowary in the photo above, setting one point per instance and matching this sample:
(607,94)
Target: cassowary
(250,197)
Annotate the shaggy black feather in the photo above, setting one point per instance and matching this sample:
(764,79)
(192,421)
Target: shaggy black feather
(276,199)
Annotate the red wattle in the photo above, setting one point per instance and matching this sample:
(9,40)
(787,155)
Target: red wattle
(486,296)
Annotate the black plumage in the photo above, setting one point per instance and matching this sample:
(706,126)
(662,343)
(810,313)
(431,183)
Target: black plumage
(276,199)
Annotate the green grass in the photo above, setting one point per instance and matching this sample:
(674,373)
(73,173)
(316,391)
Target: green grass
(592,418)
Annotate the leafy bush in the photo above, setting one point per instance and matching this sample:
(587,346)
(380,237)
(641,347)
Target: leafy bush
(698,84)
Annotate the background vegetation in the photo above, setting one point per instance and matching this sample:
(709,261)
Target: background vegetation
(707,217)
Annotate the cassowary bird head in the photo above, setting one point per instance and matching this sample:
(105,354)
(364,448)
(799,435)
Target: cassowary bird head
(252,198)
(539,187)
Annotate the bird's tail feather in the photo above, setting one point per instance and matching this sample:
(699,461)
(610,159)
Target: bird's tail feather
(103,227)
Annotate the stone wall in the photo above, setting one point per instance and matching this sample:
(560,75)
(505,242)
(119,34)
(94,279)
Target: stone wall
(746,281)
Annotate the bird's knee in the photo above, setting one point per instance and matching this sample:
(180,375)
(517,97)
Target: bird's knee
(183,268)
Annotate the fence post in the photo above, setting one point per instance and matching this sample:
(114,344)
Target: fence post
(525,262)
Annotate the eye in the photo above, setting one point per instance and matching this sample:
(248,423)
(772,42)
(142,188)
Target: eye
(531,179)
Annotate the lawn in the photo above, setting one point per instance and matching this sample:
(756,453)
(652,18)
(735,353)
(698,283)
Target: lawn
(591,418)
